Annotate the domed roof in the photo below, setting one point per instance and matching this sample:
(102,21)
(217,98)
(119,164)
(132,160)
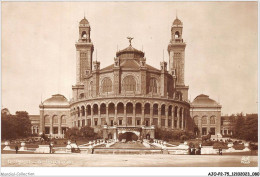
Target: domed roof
(204,100)
(177,22)
(84,21)
(130,49)
(56,100)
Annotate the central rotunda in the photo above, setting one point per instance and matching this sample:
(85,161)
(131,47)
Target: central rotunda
(126,96)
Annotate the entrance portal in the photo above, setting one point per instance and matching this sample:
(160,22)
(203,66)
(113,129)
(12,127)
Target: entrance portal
(128,136)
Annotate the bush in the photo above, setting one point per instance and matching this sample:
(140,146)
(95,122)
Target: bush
(253,146)
(207,143)
(221,145)
(168,135)
(239,146)
(134,137)
(121,136)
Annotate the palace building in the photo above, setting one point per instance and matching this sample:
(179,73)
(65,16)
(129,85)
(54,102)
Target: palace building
(127,96)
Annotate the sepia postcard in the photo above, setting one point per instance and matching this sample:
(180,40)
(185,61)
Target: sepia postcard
(120,84)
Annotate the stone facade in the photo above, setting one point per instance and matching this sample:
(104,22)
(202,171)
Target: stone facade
(206,115)
(128,95)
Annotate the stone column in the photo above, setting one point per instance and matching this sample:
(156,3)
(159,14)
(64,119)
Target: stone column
(167,117)
(133,121)
(92,120)
(159,117)
(173,119)
(107,115)
(32,129)
(59,126)
(182,119)
(178,118)
(99,117)
(42,122)
(115,120)
(199,126)
(124,119)
(142,117)
(51,126)
(151,115)
(86,119)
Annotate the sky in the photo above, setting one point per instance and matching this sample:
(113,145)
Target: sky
(39,55)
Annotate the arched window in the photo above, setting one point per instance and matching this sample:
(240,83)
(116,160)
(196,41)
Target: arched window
(81,95)
(63,119)
(212,120)
(47,119)
(196,120)
(107,85)
(129,83)
(204,120)
(177,34)
(82,110)
(55,120)
(153,85)
(84,34)
(147,108)
(78,111)
(163,110)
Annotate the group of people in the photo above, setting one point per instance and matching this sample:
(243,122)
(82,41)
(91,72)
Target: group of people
(194,151)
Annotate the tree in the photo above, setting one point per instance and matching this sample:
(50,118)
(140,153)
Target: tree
(239,126)
(72,133)
(23,123)
(87,132)
(251,128)
(15,126)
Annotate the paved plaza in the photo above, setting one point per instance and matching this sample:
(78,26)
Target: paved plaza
(98,160)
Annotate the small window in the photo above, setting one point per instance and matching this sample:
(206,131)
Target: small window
(55,130)
(120,122)
(138,122)
(111,122)
(96,122)
(47,130)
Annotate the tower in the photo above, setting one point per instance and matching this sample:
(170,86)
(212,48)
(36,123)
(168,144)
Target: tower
(176,50)
(84,50)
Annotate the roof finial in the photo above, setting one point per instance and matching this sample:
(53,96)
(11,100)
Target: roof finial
(96,55)
(84,14)
(176,14)
(130,40)
(163,55)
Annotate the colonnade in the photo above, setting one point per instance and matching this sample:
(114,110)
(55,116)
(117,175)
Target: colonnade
(131,114)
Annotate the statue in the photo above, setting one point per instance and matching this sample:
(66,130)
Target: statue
(130,40)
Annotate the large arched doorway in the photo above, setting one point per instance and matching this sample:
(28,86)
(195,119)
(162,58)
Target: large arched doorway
(128,136)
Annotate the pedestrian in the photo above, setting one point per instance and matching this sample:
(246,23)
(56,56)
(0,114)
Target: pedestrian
(220,151)
(50,148)
(16,149)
